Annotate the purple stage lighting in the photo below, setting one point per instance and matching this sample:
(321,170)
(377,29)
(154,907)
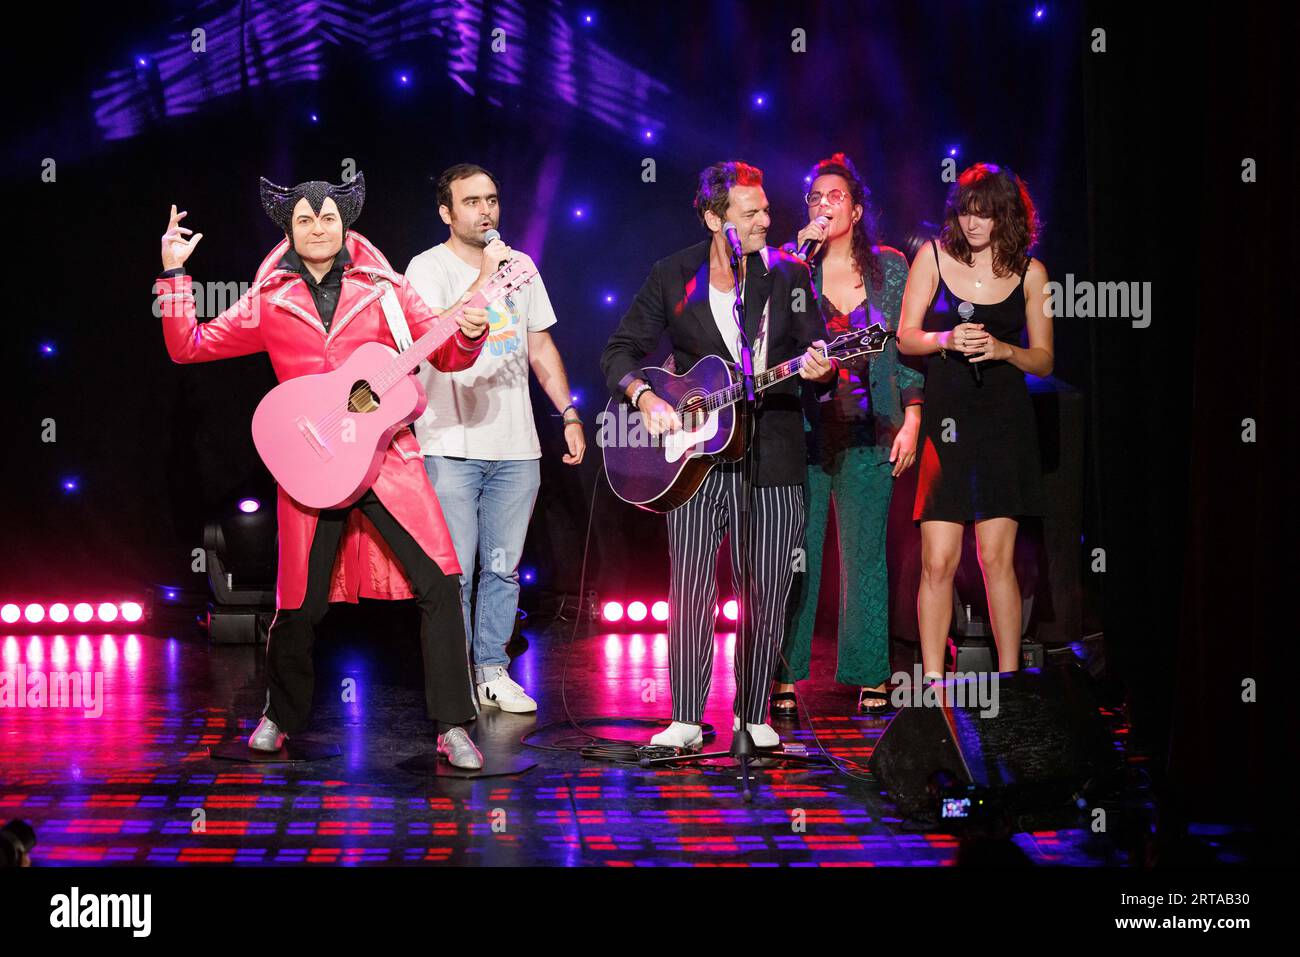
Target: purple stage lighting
(249,505)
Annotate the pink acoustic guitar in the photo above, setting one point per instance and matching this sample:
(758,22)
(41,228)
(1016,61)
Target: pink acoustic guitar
(324,436)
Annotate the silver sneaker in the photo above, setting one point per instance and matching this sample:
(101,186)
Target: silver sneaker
(267,736)
(460,750)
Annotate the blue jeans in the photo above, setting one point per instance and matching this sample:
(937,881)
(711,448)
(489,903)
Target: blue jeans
(487,505)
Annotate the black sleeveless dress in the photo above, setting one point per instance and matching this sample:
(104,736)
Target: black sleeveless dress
(979,443)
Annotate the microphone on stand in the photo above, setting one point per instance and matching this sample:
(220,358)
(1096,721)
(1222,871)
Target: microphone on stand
(733,237)
(809,243)
(965,310)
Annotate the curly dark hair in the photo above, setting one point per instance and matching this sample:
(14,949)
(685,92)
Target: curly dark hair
(714,191)
(992,191)
(866,257)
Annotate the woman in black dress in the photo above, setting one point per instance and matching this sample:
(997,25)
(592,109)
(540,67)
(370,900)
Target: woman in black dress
(979,448)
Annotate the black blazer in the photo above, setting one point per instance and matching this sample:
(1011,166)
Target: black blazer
(675,299)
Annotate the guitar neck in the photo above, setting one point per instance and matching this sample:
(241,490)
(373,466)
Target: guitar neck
(442,330)
(763,380)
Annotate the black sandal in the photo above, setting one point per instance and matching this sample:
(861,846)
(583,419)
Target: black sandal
(785,713)
(880,702)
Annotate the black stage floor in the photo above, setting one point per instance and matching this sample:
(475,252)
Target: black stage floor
(135,784)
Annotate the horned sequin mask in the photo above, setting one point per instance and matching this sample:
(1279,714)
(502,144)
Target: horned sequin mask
(279,201)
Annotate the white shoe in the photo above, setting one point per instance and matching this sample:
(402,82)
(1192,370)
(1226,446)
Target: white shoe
(763,735)
(267,736)
(502,691)
(679,734)
(460,750)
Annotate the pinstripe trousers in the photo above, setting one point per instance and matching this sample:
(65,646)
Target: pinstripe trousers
(695,533)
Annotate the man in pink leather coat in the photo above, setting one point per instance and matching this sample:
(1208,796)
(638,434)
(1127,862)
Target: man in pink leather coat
(315,299)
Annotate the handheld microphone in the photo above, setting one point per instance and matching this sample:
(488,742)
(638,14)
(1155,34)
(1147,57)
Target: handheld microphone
(490,236)
(808,243)
(965,310)
(733,237)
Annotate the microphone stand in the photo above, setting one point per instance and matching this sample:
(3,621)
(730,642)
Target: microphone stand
(742,750)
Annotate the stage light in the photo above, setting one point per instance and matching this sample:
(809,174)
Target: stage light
(529,576)
(648,135)
(59,612)
(404,79)
(609,299)
(315,118)
(575,398)
(249,505)
(71,484)
(107,611)
(637,611)
(731,609)
(171,594)
(141,61)
(47,348)
(1040,12)
(82,611)
(10,613)
(760,100)
(131,611)
(34,613)
(611,611)
(589,19)
(579,212)
(659,611)
(953,150)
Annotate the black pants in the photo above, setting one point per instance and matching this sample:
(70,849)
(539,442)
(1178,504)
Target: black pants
(448,685)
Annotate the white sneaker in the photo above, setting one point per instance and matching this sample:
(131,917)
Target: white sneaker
(763,735)
(502,691)
(679,734)
(267,736)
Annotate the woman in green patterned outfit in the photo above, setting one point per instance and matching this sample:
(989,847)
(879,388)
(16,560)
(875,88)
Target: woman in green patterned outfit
(860,439)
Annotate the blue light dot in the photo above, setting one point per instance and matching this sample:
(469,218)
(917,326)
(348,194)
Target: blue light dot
(71,484)
(314,118)
(760,99)
(528,575)
(609,299)
(47,348)
(578,212)
(1040,12)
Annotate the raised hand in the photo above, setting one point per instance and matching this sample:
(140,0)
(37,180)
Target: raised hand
(176,248)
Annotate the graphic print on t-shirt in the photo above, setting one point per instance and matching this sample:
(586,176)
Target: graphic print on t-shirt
(503,328)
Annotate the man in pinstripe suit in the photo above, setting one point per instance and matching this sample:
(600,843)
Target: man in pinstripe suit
(690,295)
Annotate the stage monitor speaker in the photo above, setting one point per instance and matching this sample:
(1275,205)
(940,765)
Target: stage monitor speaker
(1036,737)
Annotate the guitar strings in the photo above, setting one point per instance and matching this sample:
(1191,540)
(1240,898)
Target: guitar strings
(333,420)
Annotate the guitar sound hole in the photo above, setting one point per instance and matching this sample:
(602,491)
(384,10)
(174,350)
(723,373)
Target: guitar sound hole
(362,399)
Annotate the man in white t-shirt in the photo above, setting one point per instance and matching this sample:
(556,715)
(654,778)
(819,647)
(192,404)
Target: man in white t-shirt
(477,433)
